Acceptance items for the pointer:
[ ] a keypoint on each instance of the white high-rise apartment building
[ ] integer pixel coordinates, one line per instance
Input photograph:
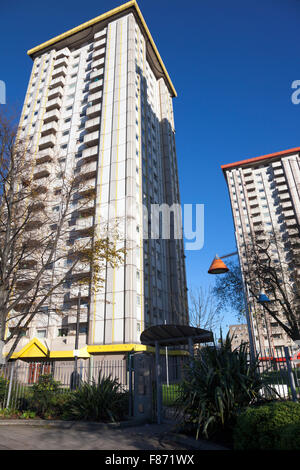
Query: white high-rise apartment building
(265, 200)
(100, 98)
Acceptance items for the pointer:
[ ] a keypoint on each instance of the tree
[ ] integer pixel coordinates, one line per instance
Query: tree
(204, 309)
(49, 242)
(230, 291)
(270, 266)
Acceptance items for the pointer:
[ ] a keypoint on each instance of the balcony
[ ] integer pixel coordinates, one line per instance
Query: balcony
(249, 179)
(293, 232)
(42, 171)
(88, 171)
(46, 142)
(291, 223)
(83, 230)
(49, 128)
(95, 85)
(44, 156)
(65, 52)
(287, 205)
(255, 211)
(96, 73)
(37, 206)
(280, 180)
(100, 43)
(295, 243)
(256, 220)
(98, 53)
(284, 196)
(23, 284)
(247, 171)
(34, 224)
(52, 116)
(91, 139)
(282, 189)
(57, 82)
(93, 111)
(92, 124)
(260, 238)
(278, 172)
(258, 229)
(60, 62)
(85, 212)
(59, 72)
(84, 223)
(87, 192)
(95, 98)
(90, 154)
(289, 214)
(250, 188)
(55, 93)
(97, 64)
(53, 104)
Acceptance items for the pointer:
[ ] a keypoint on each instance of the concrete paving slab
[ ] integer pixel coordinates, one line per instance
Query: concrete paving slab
(94, 436)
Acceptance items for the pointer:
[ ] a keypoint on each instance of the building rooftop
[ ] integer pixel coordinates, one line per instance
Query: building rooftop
(250, 161)
(63, 40)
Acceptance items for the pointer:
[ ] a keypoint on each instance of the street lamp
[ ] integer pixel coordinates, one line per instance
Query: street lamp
(263, 298)
(75, 378)
(218, 266)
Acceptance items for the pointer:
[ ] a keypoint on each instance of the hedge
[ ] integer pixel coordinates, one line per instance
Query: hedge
(273, 426)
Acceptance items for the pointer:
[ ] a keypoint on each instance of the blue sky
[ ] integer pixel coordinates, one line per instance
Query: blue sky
(232, 64)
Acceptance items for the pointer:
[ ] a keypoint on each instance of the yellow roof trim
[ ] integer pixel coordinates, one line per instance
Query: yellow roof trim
(36, 349)
(87, 24)
(32, 349)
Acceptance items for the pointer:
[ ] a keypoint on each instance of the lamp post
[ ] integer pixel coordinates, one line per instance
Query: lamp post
(75, 381)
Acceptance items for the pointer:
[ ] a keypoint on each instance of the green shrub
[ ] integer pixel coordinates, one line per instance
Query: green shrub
(9, 413)
(3, 388)
(290, 437)
(28, 415)
(103, 401)
(44, 393)
(217, 385)
(268, 427)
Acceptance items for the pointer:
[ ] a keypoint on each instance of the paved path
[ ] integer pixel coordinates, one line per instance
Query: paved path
(76, 436)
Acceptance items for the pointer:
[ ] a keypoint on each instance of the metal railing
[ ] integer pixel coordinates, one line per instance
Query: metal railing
(17, 378)
(279, 371)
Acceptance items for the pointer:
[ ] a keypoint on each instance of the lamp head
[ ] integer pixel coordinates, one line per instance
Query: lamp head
(263, 298)
(218, 266)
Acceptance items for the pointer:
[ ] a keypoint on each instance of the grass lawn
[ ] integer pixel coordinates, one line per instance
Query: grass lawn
(170, 394)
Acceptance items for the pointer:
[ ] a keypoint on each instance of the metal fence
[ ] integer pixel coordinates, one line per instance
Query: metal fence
(279, 371)
(17, 378)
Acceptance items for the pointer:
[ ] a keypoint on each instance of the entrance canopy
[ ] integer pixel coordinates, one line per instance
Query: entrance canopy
(172, 335)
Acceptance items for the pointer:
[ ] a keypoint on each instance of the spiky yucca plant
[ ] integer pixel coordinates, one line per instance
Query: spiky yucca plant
(218, 383)
(104, 400)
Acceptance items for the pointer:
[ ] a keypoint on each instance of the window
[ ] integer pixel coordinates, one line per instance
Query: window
(41, 333)
(83, 328)
(63, 332)
(18, 330)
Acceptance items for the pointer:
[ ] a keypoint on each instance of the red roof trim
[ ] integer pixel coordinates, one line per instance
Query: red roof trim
(257, 159)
